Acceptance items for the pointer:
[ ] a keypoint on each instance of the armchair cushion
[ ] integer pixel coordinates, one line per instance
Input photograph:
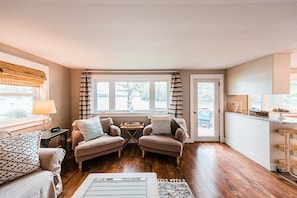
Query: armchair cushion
(104, 143)
(90, 128)
(19, 156)
(162, 142)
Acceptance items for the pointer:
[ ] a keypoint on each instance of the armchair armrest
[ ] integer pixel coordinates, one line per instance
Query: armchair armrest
(51, 159)
(76, 137)
(147, 130)
(180, 135)
(115, 130)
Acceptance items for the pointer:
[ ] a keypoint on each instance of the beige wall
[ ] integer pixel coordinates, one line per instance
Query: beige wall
(65, 84)
(60, 92)
(75, 86)
(59, 85)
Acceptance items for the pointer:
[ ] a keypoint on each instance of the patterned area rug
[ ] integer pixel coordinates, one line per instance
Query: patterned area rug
(174, 188)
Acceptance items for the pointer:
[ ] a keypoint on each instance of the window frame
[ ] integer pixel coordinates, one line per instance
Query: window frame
(31, 121)
(112, 78)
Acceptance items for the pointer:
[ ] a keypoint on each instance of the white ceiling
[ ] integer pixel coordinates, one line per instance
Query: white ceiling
(150, 34)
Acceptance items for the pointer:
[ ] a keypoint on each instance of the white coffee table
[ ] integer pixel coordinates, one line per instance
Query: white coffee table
(115, 185)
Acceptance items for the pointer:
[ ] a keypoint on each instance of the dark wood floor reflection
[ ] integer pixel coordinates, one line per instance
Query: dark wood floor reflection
(211, 170)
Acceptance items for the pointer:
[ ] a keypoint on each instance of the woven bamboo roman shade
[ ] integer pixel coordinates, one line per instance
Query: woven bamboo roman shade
(12, 74)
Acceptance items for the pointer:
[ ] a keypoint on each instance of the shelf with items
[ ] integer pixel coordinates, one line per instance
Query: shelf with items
(282, 165)
(289, 147)
(284, 147)
(282, 132)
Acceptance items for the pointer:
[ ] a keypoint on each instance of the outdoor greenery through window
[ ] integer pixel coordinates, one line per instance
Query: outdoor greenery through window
(16, 102)
(130, 93)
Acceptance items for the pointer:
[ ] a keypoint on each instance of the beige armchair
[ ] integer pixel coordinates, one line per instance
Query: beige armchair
(167, 144)
(108, 143)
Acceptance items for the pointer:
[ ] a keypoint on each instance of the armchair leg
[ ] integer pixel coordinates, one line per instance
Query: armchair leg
(79, 166)
(142, 153)
(177, 161)
(119, 153)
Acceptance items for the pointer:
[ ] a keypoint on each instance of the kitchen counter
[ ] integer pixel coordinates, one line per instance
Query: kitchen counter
(257, 137)
(284, 120)
(265, 118)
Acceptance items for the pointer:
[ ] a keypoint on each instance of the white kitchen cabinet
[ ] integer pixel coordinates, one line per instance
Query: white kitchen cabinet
(250, 136)
(266, 75)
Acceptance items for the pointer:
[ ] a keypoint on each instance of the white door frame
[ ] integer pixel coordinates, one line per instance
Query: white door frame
(194, 77)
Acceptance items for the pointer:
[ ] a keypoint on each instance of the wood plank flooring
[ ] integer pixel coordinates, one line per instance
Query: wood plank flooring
(211, 170)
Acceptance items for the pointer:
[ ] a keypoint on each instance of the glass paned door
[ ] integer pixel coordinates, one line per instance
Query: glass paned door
(207, 110)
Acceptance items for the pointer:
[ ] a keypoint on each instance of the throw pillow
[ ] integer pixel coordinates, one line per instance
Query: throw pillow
(90, 128)
(161, 124)
(19, 156)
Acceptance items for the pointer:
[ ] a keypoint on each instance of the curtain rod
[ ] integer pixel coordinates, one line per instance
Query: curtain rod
(130, 71)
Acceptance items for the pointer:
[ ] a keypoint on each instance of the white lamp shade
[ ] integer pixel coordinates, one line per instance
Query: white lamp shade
(44, 107)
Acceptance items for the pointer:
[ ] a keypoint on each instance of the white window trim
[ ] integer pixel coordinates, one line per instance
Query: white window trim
(125, 77)
(33, 121)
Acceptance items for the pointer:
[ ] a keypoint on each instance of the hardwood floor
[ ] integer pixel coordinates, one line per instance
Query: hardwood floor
(211, 170)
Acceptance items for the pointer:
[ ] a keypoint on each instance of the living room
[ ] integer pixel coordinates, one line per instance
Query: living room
(154, 38)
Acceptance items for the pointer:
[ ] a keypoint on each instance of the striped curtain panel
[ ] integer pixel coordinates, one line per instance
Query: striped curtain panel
(176, 98)
(85, 96)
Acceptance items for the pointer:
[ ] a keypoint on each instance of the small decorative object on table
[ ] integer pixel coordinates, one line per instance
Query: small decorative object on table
(46, 136)
(55, 129)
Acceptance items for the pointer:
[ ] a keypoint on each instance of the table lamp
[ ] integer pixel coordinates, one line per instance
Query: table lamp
(44, 107)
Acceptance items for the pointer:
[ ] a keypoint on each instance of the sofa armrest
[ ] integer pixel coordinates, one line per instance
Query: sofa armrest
(147, 130)
(180, 135)
(115, 130)
(51, 159)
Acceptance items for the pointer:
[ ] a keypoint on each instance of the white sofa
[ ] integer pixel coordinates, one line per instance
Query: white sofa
(44, 182)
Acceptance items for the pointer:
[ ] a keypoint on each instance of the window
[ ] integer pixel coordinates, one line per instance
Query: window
(16, 102)
(21, 82)
(132, 96)
(130, 93)
(256, 101)
(283, 101)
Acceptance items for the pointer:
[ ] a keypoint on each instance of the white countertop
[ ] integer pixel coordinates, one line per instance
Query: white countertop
(284, 120)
